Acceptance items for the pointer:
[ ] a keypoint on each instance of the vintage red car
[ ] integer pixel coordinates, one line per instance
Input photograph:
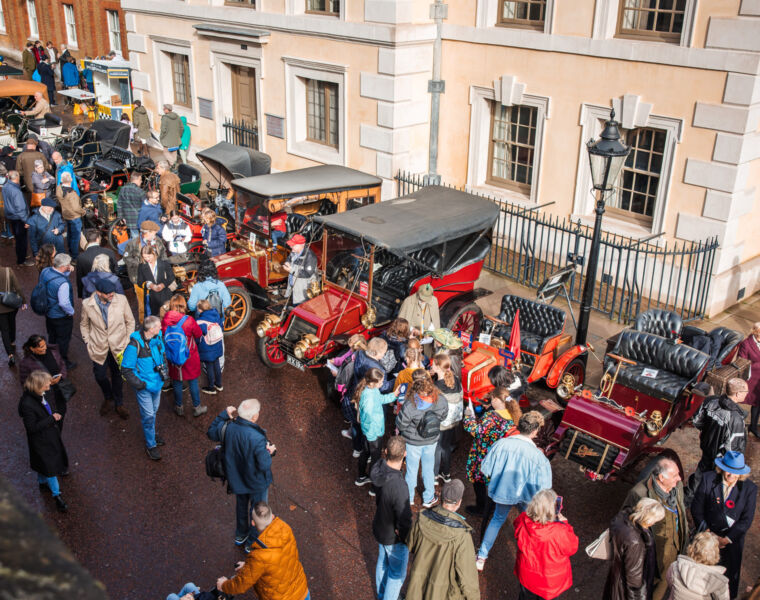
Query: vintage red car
(653, 383)
(252, 269)
(379, 255)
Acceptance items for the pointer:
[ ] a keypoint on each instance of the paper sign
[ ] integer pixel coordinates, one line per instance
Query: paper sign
(485, 338)
(363, 288)
(650, 373)
(426, 340)
(466, 338)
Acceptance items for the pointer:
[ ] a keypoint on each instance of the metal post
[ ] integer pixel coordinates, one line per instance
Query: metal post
(436, 87)
(588, 286)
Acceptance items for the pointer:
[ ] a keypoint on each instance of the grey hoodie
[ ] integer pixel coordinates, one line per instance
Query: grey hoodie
(690, 580)
(410, 416)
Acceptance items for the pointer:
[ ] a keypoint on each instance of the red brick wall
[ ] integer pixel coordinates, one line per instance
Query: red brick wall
(91, 23)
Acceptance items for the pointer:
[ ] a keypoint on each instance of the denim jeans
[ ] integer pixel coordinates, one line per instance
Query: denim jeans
(492, 531)
(214, 373)
(51, 482)
(189, 588)
(243, 507)
(74, 232)
(148, 404)
(20, 233)
(111, 388)
(426, 456)
(194, 392)
(391, 570)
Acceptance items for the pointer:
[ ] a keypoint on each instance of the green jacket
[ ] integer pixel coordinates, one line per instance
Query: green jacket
(671, 535)
(141, 122)
(28, 62)
(444, 558)
(171, 130)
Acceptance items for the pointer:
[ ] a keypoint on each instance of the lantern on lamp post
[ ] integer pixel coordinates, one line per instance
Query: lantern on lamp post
(606, 157)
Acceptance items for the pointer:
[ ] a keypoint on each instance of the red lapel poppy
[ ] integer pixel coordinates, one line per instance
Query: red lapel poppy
(730, 503)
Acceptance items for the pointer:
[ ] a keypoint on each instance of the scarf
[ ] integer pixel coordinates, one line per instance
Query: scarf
(670, 499)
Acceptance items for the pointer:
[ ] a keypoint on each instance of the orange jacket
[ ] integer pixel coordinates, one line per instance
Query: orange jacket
(272, 568)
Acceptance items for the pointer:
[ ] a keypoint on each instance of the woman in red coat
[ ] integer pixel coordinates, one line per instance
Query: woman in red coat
(750, 349)
(545, 543)
(191, 369)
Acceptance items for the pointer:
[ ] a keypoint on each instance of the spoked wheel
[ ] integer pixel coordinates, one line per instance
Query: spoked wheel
(573, 376)
(197, 250)
(238, 314)
(466, 320)
(117, 234)
(270, 352)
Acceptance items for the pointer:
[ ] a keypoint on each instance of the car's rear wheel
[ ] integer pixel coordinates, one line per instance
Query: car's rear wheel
(466, 319)
(575, 369)
(239, 312)
(270, 352)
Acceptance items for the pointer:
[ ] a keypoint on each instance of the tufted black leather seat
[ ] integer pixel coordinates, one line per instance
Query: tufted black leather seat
(726, 340)
(49, 121)
(665, 323)
(294, 223)
(677, 365)
(539, 322)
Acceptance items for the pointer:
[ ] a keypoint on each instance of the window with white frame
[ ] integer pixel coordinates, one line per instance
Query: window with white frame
(180, 64)
(504, 156)
(2, 17)
(114, 30)
(640, 195)
(315, 110)
(647, 20)
(31, 9)
(521, 14)
(71, 24)
(323, 7)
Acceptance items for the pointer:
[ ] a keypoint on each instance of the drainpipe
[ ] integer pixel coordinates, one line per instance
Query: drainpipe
(438, 12)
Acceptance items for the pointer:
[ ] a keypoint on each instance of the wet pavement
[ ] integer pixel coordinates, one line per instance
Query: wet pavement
(145, 528)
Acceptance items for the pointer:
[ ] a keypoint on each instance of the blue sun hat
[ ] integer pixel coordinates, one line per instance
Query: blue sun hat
(733, 462)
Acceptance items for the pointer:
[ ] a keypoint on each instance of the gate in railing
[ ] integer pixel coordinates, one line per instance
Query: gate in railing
(241, 132)
(633, 274)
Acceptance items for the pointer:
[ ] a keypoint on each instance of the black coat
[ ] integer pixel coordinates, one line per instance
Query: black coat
(634, 563)
(165, 275)
(393, 517)
(47, 455)
(47, 78)
(84, 263)
(709, 507)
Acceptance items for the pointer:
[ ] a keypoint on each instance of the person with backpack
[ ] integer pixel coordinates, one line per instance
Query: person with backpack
(369, 402)
(450, 386)
(211, 345)
(208, 287)
(181, 336)
(53, 296)
(156, 280)
(419, 423)
(144, 367)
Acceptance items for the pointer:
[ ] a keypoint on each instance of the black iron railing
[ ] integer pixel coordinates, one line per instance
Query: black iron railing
(633, 274)
(241, 132)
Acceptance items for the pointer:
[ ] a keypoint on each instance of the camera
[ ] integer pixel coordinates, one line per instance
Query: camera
(162, 370)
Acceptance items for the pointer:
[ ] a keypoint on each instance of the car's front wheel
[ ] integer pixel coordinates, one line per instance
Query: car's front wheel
(270, 352)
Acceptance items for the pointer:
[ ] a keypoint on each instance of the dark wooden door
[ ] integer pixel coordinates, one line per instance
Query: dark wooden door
(244, 94)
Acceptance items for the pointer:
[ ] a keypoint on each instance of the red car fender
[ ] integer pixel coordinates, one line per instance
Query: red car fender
(554, 375)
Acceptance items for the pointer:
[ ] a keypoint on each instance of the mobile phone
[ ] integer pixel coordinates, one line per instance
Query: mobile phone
(402, 391)
(560, 500)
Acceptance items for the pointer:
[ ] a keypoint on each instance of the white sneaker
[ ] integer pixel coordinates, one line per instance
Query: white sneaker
(356, 454)
(346, 433)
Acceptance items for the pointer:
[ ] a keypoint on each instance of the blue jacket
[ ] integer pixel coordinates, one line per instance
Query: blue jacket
(216, 238)
(202, 289)
(517, 470)
(41, 231)
(371, 414)
(247, 461)
(149, 212)
(89, 281)
(53, 281)
(15, 205)
(67, 168)
(69, 74)
(206, 352)
(362, 363)
(140, 360)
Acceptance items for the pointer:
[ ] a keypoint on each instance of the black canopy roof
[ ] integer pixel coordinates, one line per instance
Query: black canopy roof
(301, 182)
(111, 133)
(9, 71)
(430, 216)
(229, 161)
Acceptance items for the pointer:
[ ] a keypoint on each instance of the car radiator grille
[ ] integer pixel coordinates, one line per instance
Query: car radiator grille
(588, 451)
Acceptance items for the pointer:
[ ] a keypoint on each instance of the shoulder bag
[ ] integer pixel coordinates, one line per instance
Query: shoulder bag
(10, 298)
(601, 547)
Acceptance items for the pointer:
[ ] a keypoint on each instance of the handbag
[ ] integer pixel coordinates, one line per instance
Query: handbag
(10, 298)
(601, 547)
(67, 389)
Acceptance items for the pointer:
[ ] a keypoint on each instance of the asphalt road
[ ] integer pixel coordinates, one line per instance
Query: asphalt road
(146, 528)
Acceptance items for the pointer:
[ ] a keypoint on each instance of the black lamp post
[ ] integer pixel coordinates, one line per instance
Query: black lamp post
(607, 156)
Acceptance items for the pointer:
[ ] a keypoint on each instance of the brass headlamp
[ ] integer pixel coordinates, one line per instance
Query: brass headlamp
(304, 344)
(368, 318)
(314, 289)
(266, 324)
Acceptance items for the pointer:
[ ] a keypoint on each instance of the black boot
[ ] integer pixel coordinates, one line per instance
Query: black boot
(60, 504)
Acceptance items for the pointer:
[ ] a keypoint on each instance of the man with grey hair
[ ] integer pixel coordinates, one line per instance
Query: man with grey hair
(72, 212)
(171, 133)
(144, 367)
(247, 462)
(59, 316)
(672, 533)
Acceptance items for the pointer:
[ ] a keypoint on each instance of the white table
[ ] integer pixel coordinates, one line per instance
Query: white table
(77, 94)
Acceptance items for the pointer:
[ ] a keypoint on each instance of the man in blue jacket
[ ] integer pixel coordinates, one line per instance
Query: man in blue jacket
(61, 166)
(59, 318)
(143, 365)
(150, 210)
(46, 227)
(517, 470)
(16, 214)
(247, 462)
